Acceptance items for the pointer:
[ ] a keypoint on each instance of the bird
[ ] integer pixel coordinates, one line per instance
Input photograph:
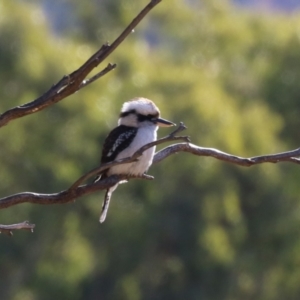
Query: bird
(137, 126)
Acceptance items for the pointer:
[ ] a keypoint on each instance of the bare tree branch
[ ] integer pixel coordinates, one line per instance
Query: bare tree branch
(200, 151)
(7, 229)
(65, 196)
(289, 156)
(71, 83)
(76, 191)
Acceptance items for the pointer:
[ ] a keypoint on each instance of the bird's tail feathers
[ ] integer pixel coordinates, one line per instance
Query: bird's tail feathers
(106, 202)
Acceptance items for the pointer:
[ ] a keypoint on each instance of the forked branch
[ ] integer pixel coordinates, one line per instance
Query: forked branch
(76, 80)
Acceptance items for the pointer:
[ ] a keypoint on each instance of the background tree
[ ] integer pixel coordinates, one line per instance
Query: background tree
(203, 229)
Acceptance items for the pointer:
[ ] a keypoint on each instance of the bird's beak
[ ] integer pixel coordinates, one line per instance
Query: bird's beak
(164, 123)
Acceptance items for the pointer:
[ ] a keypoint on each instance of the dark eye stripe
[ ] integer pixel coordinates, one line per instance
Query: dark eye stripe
(142, 118)
(126, 113)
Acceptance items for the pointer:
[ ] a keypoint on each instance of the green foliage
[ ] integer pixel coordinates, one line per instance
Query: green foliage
(203, 229)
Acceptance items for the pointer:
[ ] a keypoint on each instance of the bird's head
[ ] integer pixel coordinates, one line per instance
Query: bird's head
(141, 112)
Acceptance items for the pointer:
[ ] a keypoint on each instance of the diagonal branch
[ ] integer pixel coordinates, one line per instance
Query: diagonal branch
(71, 83)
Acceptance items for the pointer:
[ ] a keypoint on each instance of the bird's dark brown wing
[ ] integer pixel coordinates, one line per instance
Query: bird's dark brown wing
(117, 140)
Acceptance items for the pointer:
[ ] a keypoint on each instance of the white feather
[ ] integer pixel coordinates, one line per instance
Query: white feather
(143, 105)
(144, 136)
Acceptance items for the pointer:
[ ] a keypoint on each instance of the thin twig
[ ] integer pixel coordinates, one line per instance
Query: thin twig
(97, 76)
(8, 229)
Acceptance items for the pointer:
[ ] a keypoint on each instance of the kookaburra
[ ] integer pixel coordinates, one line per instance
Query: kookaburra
(137, 126)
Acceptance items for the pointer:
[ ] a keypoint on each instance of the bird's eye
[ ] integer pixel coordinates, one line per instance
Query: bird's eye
(142, 118)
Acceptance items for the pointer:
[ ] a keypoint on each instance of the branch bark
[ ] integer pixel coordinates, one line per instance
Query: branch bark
(76, 190)
(75, 81)
(8, 229)
(289, 156)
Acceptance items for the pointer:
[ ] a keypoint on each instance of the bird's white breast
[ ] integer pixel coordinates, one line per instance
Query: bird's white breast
(144, 136)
